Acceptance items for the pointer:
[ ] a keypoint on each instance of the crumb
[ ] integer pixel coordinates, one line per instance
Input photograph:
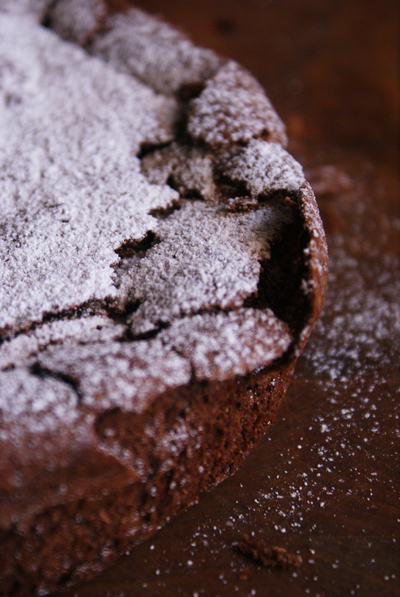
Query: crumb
(272, 557)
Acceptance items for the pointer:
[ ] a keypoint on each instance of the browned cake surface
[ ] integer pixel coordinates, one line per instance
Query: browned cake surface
(163, 264)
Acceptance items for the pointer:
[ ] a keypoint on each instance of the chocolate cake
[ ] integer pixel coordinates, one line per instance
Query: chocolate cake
(162, 265)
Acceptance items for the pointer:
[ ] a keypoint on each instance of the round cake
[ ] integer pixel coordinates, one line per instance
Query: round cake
(162, 265)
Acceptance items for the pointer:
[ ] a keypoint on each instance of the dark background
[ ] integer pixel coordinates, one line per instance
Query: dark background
(325, 480)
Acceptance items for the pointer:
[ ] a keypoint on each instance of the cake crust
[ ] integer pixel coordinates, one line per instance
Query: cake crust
(163, 265)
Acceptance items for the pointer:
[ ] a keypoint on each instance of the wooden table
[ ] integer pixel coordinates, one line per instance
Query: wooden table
(325, 480)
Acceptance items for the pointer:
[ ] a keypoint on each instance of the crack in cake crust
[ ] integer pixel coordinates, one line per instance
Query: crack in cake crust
(241, 283)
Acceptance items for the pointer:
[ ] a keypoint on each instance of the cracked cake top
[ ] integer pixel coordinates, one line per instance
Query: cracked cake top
(136, 225)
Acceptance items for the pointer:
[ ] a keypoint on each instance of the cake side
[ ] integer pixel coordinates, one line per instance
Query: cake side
(194, 438)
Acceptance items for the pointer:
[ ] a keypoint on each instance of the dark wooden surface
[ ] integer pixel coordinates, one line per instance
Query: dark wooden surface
(325, 480)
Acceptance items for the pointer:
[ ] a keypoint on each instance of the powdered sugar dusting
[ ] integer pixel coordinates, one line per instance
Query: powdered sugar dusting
(316, 252)
(190, 168)
(216, 345)
(33, 402)
(250, 340)
(264, 168)
(74, 182)
(76, 20)
(154, 52)
(206, 258)
(140, 371)
(35, 8)
(18, 351)
(233, 108)
(364, 320)
(75, 194)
